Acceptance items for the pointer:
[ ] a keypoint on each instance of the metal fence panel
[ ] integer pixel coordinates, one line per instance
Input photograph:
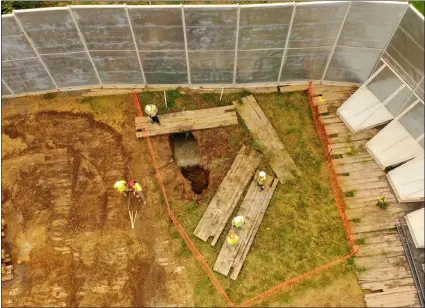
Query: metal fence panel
(52, 31)
(258, 65)
(317, 24)
(211, 66)
(166, 67)
(4, 89)
(370, 24)
(412, 24)
(384, 84)
(211, 28)
(26, 75)
(408, 54)
(104, 28)
(400, 102)
(117, 67)
(302, 64)
(405, 51)
(263, 27)
(413, 121)
(14, 44)
(352, 64)
(69, 70)
(157, 28)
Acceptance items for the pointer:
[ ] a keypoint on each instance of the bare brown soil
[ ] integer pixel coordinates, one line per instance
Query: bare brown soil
(68, 226)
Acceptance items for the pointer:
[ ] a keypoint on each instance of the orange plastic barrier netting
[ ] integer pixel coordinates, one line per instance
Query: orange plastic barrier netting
(201, 260)
(336, 188)
(198, 256)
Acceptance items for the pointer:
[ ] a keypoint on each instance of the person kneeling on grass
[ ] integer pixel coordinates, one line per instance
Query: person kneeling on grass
(136, 189)
(152, 111)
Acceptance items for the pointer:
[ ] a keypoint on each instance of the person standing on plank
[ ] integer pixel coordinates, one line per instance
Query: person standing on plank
(232, 239)
(121, 187)
(238, 222)
(261, 179)
(152, 111)
(136, 188)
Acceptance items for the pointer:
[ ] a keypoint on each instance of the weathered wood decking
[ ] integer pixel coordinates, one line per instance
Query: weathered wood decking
(252, 209)
(267, 138)
(228, 195)
(385, 273)
(186, 121)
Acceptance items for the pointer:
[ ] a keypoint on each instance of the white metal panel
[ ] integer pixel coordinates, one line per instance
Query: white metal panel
(357, 110)
(407, 181)
(393, 145)
(415, 222)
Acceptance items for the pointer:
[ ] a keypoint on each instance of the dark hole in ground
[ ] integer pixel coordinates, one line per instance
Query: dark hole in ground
(198, 177)
(185, 153)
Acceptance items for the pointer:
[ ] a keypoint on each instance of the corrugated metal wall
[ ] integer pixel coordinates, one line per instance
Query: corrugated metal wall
(225, 45)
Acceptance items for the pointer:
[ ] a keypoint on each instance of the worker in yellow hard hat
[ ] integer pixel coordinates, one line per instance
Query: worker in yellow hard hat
(261, 179)
(136, 188)
(232, 239)
(152, 111)
(238, 222)
(121, 187)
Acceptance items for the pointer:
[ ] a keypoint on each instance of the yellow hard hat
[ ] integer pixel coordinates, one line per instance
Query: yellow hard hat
(148, 107)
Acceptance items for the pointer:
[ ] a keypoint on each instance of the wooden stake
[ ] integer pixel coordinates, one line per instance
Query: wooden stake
(165, 99)
(221, 95)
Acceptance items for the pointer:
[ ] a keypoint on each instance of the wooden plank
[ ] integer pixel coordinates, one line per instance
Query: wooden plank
(388, 284)
(293, 88)
(383, 274)
(190, 114)
(267, 138)
(252, 209)
(380, 261)
(187, 121)
(228, 194)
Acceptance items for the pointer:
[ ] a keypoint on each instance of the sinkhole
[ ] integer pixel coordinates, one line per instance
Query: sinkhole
(185, 153)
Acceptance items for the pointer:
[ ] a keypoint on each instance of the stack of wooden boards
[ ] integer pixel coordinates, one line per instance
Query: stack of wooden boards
(228, 195)
(253, 208)
(231, 189)
(184, 121)
(265, 135)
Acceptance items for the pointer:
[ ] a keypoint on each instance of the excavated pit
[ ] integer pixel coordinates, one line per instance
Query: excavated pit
(185, 153)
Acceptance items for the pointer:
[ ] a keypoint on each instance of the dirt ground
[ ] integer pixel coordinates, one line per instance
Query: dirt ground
(61, 155)
(65, 222)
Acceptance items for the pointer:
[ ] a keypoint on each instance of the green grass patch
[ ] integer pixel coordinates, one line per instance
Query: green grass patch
(419, 5)
(361, 241)
(350, 193)
(301, 229)
(356, 220)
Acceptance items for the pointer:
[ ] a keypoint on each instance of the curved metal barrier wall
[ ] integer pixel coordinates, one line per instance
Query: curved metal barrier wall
(195, 45)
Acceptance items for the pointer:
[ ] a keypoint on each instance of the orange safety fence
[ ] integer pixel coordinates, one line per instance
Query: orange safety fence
(198, 256)
(335, 189)
(296, 279)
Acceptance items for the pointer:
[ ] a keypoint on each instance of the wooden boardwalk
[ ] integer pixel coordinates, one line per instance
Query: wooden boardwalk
(228, 195)
(184, 121)
(252, 209)
(385, 275)
(267, 138)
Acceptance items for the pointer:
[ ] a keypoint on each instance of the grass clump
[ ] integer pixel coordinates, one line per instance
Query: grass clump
(350, 193)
